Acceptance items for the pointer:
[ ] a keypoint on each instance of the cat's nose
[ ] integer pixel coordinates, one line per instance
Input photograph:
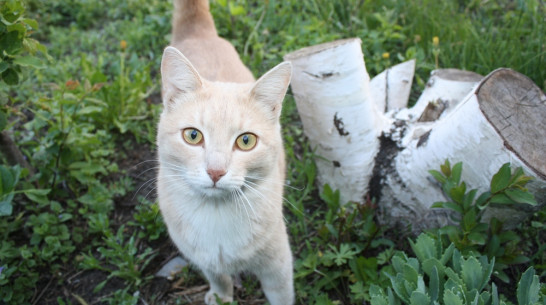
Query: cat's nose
(215, 174)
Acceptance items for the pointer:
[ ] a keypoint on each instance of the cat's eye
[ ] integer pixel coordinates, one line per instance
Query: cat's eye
(192, 136)
(246, 141)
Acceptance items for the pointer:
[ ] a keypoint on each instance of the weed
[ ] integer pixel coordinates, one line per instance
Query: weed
(471, 234)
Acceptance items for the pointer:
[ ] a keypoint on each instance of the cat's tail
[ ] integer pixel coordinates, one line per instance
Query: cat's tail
(192, 19)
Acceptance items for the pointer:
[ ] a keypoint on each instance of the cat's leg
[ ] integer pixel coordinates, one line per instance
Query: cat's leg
(221, 285)
(277, 280)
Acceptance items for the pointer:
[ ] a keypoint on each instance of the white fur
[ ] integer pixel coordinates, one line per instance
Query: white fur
(235, 224)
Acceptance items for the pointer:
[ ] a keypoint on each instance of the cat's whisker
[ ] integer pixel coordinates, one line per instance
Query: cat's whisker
(148, 182)
(284, 198)
(238, 212)
(173, 184)
(142, 162)
(254, 190)
(271, 181)
(250, 205)
(239, 193)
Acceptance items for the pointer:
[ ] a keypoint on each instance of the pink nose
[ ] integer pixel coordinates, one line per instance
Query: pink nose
(216, 174)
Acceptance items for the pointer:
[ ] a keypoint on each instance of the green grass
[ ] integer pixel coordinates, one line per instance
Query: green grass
(76, 229)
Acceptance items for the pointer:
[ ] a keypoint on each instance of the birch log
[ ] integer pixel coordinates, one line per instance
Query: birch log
(331, 88)
(501, 120)
(391, 88)
(483, 122)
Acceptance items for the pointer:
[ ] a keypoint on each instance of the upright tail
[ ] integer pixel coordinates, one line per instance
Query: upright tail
(192, 18)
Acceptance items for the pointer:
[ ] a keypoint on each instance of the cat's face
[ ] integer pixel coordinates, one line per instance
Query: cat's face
(217, 138)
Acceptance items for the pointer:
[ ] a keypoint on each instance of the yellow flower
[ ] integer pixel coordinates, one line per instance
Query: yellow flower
(435, 41)
(386, 55)
(123, 45)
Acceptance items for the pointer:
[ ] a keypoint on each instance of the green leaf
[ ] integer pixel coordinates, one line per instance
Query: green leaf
(456, 172)
(469, 220)
(377, 296)
(37, 195)
(446, 168)
(29, 61)
(364, 269)
(520, 196)
(448, 205)
(481, 202)
(424, 247)
(472, 273)
(528, 288)
(501, 179)
(487, 272)
(10, 77)
(31, 22)
(10, 43)
(452, 299)
(453, 232)
(448, 253)
(397, 283)
(7, 180)
(493, 245)
(477, 238)
(502, 199)
(13, 10)
(236, 10)
(469, 198)
(3, 121)
(438, 176)
(494, 295)
(457, 193)
(410, 274)
(434, 284)
(90, 109)
(3, 66)
(419, 298)
(6, 208)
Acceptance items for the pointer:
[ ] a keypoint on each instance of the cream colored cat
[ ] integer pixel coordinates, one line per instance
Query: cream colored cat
(221, 158)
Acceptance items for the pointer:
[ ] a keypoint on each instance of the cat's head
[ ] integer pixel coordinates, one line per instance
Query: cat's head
(213, 136)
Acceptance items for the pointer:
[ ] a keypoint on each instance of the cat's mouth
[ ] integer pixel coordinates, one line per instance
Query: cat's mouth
(216, 191)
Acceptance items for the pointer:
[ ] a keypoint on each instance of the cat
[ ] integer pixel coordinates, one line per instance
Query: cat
(221, 158)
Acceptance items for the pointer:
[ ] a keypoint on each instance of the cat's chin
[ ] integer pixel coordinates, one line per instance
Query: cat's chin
(216, 192)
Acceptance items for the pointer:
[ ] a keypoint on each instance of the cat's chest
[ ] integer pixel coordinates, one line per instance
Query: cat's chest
(215, 235)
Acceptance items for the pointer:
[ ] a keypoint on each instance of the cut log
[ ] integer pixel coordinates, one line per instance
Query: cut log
(501, 121)
(391, 88)
(444, 89)
(331, 89)
(461, 116)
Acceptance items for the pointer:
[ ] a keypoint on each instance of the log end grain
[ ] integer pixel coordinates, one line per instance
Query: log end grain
(516, 108)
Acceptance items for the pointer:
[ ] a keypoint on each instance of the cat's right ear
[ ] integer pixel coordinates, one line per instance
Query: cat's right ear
(178, 76)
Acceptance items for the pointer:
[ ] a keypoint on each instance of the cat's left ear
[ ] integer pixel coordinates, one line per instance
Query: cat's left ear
(270, 89)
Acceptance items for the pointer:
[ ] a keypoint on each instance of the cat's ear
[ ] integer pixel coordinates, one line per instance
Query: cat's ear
(178, 76)
(270, 89)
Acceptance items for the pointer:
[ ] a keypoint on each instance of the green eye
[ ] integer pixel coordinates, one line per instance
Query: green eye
(246, 141)
(192, 136)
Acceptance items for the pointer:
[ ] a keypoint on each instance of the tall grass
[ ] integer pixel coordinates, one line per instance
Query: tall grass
(474, 35)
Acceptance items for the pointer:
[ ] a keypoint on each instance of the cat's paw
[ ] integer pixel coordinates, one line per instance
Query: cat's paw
(210, 298)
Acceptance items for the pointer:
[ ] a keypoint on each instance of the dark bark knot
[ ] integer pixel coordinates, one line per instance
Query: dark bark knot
(340, 126)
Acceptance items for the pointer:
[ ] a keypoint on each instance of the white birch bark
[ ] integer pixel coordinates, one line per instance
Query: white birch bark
(361, 148)
(391, 88)
(501, 121)
(331, 89)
